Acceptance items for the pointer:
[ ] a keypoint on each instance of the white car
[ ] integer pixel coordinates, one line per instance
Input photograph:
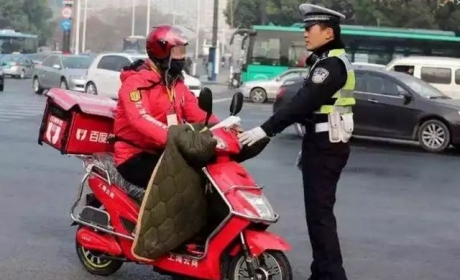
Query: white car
(259, 91)
(104, 74)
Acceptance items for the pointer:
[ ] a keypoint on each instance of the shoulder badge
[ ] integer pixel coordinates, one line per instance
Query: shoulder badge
(319, 75)
(135, 96)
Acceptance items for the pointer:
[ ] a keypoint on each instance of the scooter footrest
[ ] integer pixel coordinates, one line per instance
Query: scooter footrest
(95, 216)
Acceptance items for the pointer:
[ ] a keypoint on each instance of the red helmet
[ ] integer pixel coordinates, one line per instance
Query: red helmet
(166, 41)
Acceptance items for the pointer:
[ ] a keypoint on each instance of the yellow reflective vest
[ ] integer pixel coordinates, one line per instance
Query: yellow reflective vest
(343, 99)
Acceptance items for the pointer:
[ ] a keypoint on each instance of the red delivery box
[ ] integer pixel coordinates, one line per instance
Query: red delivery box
(77, 123)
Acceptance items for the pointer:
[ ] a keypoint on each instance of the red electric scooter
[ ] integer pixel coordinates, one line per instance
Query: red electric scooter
(238, 246)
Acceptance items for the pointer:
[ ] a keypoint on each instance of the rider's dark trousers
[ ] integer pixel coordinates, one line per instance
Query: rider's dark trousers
(139, 168)
(322, 164)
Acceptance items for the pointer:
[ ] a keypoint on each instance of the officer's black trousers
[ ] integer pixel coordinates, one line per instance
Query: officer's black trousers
(322, 164)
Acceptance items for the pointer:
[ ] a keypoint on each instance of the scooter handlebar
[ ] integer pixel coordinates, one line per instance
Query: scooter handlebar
(228, 123)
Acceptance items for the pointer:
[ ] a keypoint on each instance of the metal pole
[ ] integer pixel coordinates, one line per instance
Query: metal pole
(215, 21)
(147, 28)
(213, 52)
(231, 14)
(133, 18)
(263, 12)
(77, 29)
(85, 19)
(198, 2)
(66, 36)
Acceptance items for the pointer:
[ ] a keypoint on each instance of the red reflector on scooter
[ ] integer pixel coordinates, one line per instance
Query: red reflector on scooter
(98, 242)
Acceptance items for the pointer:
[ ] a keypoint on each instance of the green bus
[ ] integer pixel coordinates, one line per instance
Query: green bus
(270, 50)
(16, 42)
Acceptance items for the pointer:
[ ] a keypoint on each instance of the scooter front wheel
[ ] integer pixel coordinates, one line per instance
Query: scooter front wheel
(95, 263)
(273, 265)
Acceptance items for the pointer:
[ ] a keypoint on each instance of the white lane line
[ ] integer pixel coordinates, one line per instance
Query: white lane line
(221, 100)
(20, 111)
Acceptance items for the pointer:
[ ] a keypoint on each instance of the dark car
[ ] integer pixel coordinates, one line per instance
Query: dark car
(285, 93)
(396, 105)
(2, 78)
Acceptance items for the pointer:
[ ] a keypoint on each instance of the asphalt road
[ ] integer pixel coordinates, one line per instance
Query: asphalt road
(397, 208)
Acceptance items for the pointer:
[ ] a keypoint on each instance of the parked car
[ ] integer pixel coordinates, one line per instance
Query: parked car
(63, 71)
(104, 74)
(17, 66)
(396, 105)
(286, 92)
(261, 91)
(2, 78)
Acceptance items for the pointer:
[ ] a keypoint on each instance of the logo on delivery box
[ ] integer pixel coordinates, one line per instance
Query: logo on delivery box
(53, 130)
(81, 134)
(94, 136)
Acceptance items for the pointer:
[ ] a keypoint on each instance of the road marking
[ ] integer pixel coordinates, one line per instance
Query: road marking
(18, 107)
(221, 100)
(264, 113)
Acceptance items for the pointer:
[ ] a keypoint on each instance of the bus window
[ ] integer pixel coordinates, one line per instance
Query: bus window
(267, 51)
(21, 43)
(297, 54)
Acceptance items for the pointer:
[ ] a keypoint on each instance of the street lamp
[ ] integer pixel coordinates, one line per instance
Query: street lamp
(133, 19)
(77, 30)
(197, 27)
(147, 28)
(85, 17)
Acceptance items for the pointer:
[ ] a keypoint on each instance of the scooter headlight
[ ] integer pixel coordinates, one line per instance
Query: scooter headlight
(261, 204)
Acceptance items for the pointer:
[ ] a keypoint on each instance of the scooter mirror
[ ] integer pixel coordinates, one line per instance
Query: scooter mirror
(205, 102)
(237, 103)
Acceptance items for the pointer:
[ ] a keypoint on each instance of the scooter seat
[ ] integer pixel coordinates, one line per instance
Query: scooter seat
(106, 160)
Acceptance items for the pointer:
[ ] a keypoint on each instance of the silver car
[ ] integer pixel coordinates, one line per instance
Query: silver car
(63, 71)
(262, 91)
(17, 66)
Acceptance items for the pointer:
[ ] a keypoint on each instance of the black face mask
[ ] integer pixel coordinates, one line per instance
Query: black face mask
(176, 66)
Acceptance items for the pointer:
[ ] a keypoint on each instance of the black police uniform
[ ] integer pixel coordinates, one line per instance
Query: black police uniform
(322, 161)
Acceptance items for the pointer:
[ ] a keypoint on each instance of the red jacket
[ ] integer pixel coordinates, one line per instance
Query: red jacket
(141, 115)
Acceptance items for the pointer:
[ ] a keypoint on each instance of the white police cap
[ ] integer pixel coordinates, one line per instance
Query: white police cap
(313, 14)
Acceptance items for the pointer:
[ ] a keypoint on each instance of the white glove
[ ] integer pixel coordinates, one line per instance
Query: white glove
(252, 136)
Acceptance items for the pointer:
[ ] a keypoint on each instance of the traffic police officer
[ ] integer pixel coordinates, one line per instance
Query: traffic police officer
(323, 105)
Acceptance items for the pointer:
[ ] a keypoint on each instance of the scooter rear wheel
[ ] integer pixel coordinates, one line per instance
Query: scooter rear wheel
(94, 263)
(238, 270)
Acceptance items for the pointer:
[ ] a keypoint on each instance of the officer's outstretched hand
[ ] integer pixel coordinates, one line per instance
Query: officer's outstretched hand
(252, 136)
